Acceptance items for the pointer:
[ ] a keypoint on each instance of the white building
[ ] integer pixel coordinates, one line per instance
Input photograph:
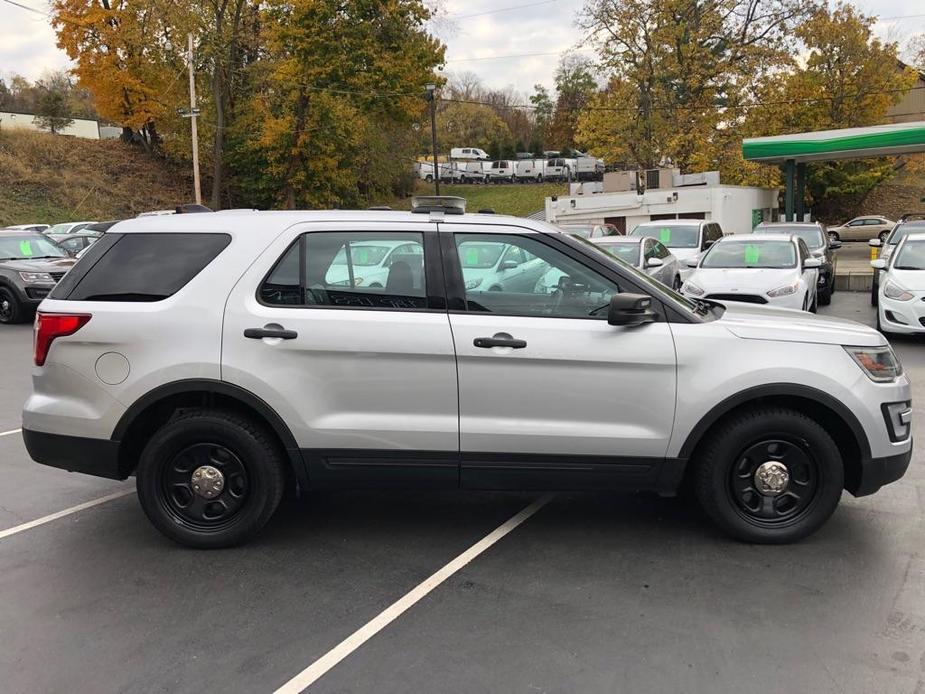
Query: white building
(736, 208)
(80, 127)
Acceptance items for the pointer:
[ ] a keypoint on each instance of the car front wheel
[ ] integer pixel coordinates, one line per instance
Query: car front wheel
(769, 475)
(210, 478)
(11, 310)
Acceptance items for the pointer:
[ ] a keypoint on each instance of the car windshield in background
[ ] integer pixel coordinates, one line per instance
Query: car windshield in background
(911, 257)
(362, 256)
(811, 235)
(23, 247)
(479, 256)
(902, 230)
(582, 230)
(671, 235)
(627, 252)
(751, 254)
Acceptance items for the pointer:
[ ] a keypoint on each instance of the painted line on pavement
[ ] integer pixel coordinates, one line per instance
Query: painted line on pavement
(66, 512)
(320, 667)
(11, 431)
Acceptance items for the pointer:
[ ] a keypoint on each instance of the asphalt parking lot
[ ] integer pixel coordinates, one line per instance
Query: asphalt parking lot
(592, 593)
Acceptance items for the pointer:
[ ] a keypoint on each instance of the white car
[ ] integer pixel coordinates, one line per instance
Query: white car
(685, 238)
(372, 264)
(68, 227)
(774, 269)
(645, 253)
(888, 245)
(495, 266)
(901, 300)
(222, 368)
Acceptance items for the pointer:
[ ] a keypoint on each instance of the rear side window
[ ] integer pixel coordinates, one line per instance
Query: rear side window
(139, 267)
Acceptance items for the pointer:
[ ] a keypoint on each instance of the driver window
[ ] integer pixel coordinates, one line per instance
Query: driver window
(548, 282)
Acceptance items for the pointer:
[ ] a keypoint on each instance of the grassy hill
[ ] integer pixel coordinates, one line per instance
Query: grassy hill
(515, 199)
(55, 178)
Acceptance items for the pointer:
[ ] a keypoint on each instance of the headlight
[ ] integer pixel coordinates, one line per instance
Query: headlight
(472, 284)
(879, 363)
(891, 290)
(691, 288)
(36, 277)
(785, 291)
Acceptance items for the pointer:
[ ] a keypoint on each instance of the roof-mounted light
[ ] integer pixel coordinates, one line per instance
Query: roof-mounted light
(448, 204)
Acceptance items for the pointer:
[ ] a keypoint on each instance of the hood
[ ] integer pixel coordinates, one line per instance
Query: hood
(913, 280)
(756, 322)
(38, 265)
(741, 280)
(683, 254)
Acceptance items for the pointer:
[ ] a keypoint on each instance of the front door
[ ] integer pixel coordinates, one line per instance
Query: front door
(343, 331)
(549, 393)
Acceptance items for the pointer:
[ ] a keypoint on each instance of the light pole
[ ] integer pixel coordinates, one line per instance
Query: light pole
(430, 95)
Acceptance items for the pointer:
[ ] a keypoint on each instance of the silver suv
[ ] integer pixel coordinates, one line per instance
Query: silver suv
(223, 358)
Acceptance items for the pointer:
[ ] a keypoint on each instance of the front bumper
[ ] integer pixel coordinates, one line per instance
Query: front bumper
(876, 472)
(902, 316)
(98, 457)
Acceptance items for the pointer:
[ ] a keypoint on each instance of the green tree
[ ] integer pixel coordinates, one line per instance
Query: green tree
(575, 85)
(52, 111)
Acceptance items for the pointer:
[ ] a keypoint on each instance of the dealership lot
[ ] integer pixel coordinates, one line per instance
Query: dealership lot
(593, 593)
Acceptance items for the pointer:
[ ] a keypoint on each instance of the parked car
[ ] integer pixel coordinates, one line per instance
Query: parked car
(469, 153)
(74, 243)
(774, 269)
(373, 264)
(888, 245)
(493, 266)
(590, 231)
(862, 229)
(647, 254)
(30, 265)
(901, 302)
(26, 227)
(219, 377)
(67, 227)
(685, 238)
(820, 246)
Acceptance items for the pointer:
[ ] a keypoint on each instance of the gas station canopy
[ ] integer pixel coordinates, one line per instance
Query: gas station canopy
(847, 143)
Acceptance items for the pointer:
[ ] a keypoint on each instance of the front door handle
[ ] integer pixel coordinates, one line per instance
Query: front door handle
(260, 333)
(499, 340)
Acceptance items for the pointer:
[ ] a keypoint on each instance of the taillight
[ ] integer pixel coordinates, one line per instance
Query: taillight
(49, 326)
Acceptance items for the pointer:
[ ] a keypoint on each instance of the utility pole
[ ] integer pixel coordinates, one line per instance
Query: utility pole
(431, 96)
(192, 115)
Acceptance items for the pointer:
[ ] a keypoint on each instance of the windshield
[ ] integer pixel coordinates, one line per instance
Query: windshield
(59, 228)
(361, 255)
(812, 235)
(479, 256)
(902, 230)
(671, 235)
(627, 252)
(23, 247)
(751, 254)
(911, 257)
(582, 230)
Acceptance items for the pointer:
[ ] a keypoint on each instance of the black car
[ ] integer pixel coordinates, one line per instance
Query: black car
(820, 245)
(30, 266)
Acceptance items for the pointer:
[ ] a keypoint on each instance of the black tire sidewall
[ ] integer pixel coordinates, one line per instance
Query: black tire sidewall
(263, 471)
(721, 453)
(16, 315)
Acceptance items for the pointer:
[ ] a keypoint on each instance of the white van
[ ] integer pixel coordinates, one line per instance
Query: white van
(469, 154)
(501, 171)
(529, 170)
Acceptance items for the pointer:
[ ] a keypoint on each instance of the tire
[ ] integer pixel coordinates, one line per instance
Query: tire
(676, 283)
(883, 235)
(429, 178)
(814, 307)
(11, 309)
(241, 448)
(824, 295)
(875, 293)
(833, 236)
(376, 285)
(539, 179)
(724, 467)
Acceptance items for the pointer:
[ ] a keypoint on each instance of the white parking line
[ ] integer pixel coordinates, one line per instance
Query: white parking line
(316, 670)
(11, 431)
(66, 512)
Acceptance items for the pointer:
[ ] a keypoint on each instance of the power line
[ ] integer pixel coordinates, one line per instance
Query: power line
(26, 7)
(519, 55)
(503, 9)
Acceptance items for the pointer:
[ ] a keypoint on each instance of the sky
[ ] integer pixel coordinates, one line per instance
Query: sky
(477, 33)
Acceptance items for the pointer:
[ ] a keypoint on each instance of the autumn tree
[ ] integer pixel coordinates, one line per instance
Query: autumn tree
(575, 85)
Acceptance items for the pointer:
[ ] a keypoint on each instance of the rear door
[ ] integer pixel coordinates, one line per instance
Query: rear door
(549, 394)
(361, 367)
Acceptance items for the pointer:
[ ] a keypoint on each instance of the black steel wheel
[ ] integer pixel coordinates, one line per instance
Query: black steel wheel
(210, 478)
(11, 310)
(768, 475)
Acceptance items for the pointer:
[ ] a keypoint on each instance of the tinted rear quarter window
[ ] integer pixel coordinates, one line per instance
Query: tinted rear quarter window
(139, 267)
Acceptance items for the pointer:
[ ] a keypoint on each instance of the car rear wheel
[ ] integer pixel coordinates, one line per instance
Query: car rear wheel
(824, 295)
(210, 478)
(769, 476)
(833, 236)
(11, 310)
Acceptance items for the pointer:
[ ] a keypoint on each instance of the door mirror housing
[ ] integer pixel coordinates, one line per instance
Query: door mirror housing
(878, 264)
(630, 310)
(654, 262)
(707, 243)
(811, 263)
(692, 262)
(834, 245)
(874, 243)
(507, 265)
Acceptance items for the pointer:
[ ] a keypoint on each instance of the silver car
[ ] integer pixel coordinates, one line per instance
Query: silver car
(862, 229)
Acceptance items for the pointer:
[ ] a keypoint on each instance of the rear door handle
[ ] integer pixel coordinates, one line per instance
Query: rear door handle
(260, 333)
(488, 342)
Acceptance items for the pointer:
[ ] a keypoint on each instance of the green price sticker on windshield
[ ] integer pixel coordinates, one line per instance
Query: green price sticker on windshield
(25, 247)
(664, 235)
(752, 255)
(472, 256)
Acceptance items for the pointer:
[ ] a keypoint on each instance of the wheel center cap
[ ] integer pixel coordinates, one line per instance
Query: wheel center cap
(207, 481)
(772, 478)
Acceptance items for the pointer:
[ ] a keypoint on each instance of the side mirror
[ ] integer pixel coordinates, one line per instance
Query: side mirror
(630, 310)
(507, 265)
(874, 243)
(878, 264)
(692, 262)
(834, 245)
(654, 262)
(811, 263)
(707, 243)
